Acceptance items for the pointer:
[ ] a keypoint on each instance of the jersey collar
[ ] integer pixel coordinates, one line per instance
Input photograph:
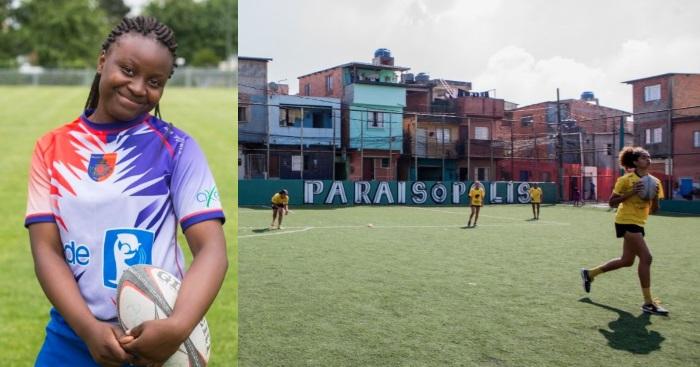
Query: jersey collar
(112, 126)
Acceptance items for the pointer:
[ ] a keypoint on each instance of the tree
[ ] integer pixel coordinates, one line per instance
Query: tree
(10, 44)
(62, 33)
(199, 25)
(115, 10)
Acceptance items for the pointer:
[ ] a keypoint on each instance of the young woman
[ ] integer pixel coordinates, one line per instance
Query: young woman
(476, 199)
(108, 191)
(535, 199)
(631, 216)
(280, 207)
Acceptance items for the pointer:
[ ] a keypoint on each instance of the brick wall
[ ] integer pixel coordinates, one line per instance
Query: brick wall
(317, 83)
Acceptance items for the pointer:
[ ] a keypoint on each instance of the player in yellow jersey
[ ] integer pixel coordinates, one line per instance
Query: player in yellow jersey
(535, 199)
(631, 216)
(280, 207)
(476, 199)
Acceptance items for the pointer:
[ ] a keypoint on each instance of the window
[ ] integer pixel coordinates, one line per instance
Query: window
(307, 89)
(696, 139)
(526, 121)
(652, 92)
(442, 135)
(385, 162)
(242, 114)
(481, 133)
(608, 149)
(290, 116)
(375, 119)
(317, 119)
(657, 135)
(647, 133)
(329, 84)
(482, 173)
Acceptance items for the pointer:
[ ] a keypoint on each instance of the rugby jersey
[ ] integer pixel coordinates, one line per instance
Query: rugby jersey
(477, 196)
(535, 195)
(634, 210)
(117, 193)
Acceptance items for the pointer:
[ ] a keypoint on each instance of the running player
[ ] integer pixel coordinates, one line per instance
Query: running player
(631, 216)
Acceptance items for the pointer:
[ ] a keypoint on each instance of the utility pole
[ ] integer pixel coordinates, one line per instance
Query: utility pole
(362, 144)
(302, 143)
(469, 155)
(561, 151)
(333, 111)
(415, 146)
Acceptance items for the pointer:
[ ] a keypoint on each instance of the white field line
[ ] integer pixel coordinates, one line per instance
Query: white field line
(467, 212)
(304, 229)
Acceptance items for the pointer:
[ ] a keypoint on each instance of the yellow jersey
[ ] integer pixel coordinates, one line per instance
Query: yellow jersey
(476, 196)
(535, 195)
(277, 199)
(634, 210)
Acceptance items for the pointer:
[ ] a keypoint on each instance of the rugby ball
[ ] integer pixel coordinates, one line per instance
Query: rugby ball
(146, 292)
(649, 187)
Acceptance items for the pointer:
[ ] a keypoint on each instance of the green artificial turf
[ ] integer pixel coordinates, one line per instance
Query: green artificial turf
(418, 289)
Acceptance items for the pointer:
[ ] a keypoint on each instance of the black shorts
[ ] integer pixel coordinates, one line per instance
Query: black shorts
(620, 229)
(276, 206)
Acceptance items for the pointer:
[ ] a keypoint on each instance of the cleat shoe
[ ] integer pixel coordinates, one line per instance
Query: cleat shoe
(654, 309)
(586, 280)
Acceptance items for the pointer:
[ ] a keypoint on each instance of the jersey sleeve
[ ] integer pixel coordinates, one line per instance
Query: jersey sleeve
(194, 192)
(39, 190)
(620, 185)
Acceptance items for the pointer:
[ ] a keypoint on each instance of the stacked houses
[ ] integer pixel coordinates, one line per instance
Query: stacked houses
(365, 121)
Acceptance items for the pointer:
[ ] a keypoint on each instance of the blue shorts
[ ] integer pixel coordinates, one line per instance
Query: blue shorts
(62, 346)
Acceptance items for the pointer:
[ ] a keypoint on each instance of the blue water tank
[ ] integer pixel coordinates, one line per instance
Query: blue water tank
(422, 78)
(382, 52)
(587, 96)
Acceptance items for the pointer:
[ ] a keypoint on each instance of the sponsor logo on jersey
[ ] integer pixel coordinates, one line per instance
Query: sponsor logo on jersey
(101, 166)
(208, 197)
(76, 254)
(125, 247)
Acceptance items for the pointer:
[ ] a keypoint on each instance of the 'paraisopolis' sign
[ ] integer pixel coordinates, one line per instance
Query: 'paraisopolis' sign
(414, 192)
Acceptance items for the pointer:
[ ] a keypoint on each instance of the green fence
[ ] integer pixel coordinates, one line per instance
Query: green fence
(326, 192)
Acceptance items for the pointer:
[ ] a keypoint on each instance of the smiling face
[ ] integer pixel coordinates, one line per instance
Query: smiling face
(133, 73)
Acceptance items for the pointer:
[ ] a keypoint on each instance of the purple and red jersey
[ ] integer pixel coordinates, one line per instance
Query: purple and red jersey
(117, 193)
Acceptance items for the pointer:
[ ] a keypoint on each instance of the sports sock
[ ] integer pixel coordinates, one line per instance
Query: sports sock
(595, 271)
(647, 296)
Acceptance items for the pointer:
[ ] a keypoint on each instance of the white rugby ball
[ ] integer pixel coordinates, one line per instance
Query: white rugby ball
(146, 292)
(650, 187)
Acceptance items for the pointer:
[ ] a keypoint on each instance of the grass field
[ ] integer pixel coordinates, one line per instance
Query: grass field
(25, 114)
(418, 289)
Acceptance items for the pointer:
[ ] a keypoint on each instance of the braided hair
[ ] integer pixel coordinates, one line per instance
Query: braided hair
(145, 26)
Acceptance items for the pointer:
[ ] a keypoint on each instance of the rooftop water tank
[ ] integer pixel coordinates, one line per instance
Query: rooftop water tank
(422, 78)
(587, 96)
(382, 52)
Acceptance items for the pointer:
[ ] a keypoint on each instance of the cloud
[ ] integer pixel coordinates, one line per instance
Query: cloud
(519, 77)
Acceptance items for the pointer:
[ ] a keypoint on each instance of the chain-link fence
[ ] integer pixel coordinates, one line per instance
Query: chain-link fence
(182, 77)
(578, 153)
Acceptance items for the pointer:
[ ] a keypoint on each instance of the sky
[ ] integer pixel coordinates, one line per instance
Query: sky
(524, 50)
